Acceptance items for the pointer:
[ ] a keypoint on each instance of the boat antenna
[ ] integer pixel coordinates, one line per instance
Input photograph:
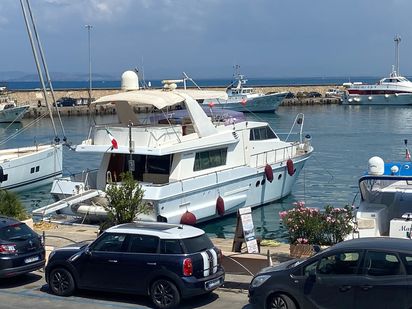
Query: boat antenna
(185, 78)
(39, 71)
(397, 40)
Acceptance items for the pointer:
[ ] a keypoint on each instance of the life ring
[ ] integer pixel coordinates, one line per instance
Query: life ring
(220, 206)
(188, 218)
(269, 172)
(291, 168)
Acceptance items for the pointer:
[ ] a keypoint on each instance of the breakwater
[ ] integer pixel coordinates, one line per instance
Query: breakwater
(36, 100)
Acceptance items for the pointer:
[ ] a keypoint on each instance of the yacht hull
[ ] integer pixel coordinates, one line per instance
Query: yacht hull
(260, 104)
(387, 99)
(239, 187)
(13, 114)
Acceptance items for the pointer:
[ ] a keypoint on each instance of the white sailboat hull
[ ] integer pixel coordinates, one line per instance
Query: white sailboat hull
(30, 167)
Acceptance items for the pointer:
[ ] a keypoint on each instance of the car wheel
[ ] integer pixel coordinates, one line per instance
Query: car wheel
(280, 301)
(61, 282)
(164, 294)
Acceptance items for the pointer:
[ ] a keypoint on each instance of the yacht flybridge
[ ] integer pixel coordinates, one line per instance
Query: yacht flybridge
(196, 168)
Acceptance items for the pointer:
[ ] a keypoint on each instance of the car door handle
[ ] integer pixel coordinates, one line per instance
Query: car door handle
(151, 264)
(112, 261)
(366, 287)
(345, 288)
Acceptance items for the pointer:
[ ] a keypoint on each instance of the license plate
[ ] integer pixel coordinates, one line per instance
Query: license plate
(31, 259)
(213, 283)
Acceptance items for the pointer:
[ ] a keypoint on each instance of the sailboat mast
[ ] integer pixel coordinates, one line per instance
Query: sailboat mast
(46, 70)
(34, 50)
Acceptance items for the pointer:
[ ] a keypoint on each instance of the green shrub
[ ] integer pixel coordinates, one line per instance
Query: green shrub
(125, 201)
(11, 206)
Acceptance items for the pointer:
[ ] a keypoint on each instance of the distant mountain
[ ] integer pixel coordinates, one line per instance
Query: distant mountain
(17, 76)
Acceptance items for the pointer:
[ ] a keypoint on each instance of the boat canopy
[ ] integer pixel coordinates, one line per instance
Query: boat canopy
(160, 98)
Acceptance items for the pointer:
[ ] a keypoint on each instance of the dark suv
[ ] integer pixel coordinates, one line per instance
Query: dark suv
(165, 261)
(21, 249)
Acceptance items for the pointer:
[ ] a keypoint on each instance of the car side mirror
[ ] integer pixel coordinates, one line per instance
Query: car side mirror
(87, 251)
(316, 248)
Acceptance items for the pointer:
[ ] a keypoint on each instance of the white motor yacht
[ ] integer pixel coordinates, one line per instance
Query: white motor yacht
(392, 90)
(9, 111)
(197, 166)
(247, 99)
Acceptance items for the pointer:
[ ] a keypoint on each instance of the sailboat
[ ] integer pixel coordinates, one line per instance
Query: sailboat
(25, 168)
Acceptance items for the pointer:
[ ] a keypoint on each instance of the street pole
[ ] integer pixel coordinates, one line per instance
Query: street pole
(89, 27)
(397, 40)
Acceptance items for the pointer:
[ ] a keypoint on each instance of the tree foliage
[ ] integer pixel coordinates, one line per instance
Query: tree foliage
(11, 206)
(125, 200)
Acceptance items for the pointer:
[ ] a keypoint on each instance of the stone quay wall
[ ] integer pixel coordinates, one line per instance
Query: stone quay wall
(36, 99)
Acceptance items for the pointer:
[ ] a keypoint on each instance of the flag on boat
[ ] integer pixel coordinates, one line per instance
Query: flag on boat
(112, 139)
(407, 153)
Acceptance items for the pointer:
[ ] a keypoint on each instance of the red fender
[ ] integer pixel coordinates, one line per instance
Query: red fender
(220, 206)
(291, 168)
(188, 218)
(269, 173)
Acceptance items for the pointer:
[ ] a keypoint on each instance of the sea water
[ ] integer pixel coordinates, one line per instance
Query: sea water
(344, 138)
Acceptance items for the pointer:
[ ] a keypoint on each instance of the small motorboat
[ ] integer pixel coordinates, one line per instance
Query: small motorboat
(385, 208)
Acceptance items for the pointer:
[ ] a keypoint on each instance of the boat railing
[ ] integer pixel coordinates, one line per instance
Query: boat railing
(276, 155)
(288, 152)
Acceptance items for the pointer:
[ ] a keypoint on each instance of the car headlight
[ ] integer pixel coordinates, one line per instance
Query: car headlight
(51, 254)
(259, 280)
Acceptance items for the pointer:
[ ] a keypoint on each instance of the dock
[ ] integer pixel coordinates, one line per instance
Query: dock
(37, 103)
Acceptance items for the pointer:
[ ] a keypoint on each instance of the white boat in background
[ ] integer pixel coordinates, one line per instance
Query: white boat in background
(246, 99)
(197, 168)
(392, 90)
(9, 111)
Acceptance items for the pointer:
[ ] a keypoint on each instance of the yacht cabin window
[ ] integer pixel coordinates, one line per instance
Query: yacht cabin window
(147, 168)
(210, 158)
(262, 133)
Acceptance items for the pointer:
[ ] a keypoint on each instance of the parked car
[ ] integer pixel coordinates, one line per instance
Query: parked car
(164, 261)
(360, 273)
(314, 94)
(334, 93)
(66, 101)
(290, 95)
(21, 249)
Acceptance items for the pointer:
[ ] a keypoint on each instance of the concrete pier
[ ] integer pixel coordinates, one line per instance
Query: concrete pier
(36, 100)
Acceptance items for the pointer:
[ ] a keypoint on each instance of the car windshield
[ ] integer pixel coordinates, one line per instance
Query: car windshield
(15, 232)
(197, 244)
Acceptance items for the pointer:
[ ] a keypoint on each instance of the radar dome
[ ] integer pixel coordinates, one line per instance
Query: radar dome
(376, 166)
(130, 81)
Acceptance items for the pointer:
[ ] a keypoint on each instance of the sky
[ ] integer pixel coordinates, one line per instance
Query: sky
(206, 38)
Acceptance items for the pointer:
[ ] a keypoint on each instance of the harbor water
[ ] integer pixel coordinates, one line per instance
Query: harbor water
(344, 138)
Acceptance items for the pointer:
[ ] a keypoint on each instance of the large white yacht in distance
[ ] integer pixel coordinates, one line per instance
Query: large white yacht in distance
(392, 90)
(191, 171)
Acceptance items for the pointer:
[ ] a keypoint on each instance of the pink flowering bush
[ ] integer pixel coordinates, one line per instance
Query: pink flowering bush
(307, 225)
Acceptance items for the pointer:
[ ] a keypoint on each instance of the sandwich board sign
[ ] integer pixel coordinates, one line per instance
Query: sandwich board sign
(245, 231)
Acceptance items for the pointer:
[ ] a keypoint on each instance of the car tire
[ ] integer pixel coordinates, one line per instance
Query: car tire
(280, 301)
(164, 294)
(61, 282)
